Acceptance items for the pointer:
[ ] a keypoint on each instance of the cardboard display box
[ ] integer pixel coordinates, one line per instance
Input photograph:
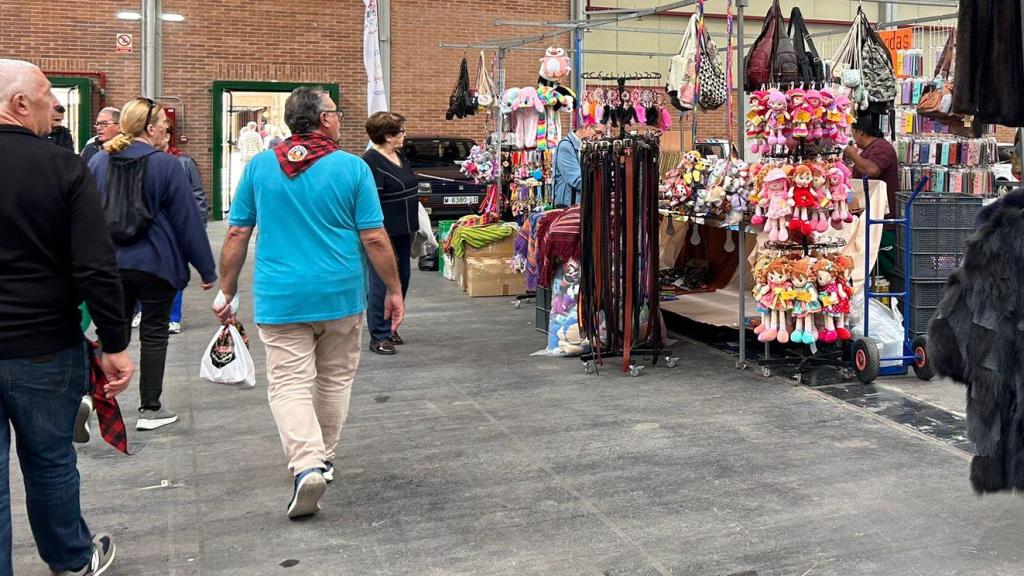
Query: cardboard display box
(503, 249)
(459, 272)
(492, 277)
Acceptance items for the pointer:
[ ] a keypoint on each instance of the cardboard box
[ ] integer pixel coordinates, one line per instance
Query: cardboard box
(459, 272)
(492, 277)
(503, 249)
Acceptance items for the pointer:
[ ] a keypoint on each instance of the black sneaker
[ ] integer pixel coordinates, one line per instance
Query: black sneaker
(329, 471)
(382, 347)
(103, 551)
(396, 339)
(309, 488)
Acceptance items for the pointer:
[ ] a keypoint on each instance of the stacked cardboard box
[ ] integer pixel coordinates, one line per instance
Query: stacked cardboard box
(488, 271)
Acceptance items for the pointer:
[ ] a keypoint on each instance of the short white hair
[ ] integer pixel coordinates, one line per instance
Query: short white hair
(252, 124)
(16, 76)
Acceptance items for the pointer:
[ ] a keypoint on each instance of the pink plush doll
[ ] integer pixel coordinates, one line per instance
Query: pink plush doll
(840, 190)
(758, 102)
(817, 114)
(776, 120)
(776, 192)
(829, 294)
(823, 197)
(799, 113)
(830, 132)
(844, 119)
(528, 108)
(554, 66)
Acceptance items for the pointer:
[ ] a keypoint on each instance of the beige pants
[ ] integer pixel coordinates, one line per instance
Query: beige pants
(310, 368)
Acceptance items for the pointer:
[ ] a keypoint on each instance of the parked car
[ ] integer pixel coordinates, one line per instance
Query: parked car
(444, 190)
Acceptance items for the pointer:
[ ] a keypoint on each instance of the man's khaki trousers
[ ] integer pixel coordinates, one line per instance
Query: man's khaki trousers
(310, 368)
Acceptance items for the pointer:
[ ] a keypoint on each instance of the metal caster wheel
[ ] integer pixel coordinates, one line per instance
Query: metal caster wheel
(766, 371)
(589, 367)
(671, 362)
(634, 370)
(741, 366)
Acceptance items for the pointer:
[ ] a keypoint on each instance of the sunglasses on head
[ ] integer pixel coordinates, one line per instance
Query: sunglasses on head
(149, 113)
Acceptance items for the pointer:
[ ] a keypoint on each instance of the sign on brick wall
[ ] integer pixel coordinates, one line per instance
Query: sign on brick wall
(125, 43)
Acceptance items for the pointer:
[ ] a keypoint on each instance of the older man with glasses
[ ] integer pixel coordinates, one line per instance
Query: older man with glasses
(107, 125)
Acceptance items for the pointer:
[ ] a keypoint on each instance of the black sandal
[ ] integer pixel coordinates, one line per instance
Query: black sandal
(382, 347)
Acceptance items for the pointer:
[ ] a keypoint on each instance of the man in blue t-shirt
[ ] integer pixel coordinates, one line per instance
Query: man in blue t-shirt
(320, 220)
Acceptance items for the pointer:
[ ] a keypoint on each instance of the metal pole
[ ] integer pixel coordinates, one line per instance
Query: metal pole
(742, 151)
(499, 125)
(151, 43)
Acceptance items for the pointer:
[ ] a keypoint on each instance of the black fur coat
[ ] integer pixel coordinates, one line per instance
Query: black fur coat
(989, 62)
(977, 338)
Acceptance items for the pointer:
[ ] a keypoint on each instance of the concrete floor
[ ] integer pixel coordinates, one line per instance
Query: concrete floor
(463, 455)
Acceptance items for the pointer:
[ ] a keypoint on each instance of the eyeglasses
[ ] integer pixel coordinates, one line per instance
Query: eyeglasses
(149, 113)
(103, 124)
(337, 112)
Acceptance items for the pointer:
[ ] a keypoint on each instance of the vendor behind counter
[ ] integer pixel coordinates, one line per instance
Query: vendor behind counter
(873, 156)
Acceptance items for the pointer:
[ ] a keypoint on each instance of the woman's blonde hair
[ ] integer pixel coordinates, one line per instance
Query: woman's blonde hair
(136, 117)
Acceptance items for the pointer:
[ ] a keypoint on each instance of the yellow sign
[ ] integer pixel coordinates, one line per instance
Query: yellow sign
(895, 40)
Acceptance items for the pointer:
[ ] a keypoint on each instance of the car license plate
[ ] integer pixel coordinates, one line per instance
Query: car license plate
(459, 200)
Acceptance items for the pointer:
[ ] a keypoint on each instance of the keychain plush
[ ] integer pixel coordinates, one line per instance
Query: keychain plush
(777, 298)
(805, 301)
(776, 192)
(776, 120)
(802, 200)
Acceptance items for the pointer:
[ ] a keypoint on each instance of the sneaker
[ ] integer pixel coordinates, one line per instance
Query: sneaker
(174, 327)
(153, 419)
(328, 471)
(382, 347)
(137, 319)
(310, 485)
(396, 339)
(103, 551)
(82, 432)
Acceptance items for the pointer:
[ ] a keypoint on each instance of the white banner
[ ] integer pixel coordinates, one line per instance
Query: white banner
(376, 99)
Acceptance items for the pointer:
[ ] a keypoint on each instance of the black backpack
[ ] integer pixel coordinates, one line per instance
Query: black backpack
(812, 71)
(461, 103)
(126, 207)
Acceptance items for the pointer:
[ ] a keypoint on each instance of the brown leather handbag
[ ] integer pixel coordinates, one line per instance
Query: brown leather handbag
(937, 102)
(758, 71)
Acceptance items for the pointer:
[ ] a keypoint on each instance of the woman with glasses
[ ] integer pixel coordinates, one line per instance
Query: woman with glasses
(153, 261)
(398, 188)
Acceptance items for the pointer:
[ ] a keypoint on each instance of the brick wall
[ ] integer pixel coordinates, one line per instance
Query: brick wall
(271, 41)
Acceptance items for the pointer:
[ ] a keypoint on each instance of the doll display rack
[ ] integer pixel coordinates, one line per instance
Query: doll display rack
(821, 355)
(620, 81)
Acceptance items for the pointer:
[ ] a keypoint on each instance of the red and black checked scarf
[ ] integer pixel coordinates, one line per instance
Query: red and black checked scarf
(107, 411)
(300, 151)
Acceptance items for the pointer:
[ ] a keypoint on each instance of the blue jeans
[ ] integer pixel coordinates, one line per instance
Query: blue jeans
(380, 329)
(176, 307)
(40, 396)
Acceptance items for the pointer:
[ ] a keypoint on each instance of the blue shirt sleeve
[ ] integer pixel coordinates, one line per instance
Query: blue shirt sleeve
(188, 227)
(568, 165)
(243, 205)
(368, 211)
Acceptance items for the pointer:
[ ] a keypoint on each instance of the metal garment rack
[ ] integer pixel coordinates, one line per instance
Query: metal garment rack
(620, 81)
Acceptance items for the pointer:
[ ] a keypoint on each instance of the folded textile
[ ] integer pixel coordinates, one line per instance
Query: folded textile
(561, 244)
(480, 236)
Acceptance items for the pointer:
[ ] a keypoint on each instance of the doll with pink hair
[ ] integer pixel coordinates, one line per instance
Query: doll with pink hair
(817, 115)
(776, 192)
(799, 112)
(842, 193)
(776, 120)
(829, 116)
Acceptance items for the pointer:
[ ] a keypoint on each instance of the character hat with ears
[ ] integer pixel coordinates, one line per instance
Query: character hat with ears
(509, 101)
(554, 65)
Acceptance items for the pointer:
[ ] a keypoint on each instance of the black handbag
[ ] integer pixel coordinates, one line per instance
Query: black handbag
(812, 69)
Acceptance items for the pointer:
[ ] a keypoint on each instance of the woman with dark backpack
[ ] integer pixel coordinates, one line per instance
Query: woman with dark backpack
(152, 218)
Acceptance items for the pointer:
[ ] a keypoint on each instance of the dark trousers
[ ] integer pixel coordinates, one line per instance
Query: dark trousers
(39, 397)
(380, 329)
(156, 296)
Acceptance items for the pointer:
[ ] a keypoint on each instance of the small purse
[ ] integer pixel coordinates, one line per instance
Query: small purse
(937, 100)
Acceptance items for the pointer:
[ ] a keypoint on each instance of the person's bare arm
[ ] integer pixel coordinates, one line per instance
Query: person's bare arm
(863, 165)
(382, 257)
(232, 258)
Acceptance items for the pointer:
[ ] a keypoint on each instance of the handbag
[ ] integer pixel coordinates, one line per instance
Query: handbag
(682, 73)
(876, 68)
(713, 90)
(937, 100)
(484, 87)
(757, 68)
(812, 70)
(461, 103)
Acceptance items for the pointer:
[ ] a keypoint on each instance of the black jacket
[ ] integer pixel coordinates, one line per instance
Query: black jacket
(55, 251)
(61, 136)
(989, 62)
(398, 188)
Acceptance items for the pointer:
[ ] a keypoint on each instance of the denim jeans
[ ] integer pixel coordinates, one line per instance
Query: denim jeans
(39, 397)
(380, 329)
(176, 307)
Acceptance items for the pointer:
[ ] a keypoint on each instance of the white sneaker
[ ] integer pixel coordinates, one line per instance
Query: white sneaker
(174, 327)
(153, 419)
(82, 432)
(137, 319)
(310, 486)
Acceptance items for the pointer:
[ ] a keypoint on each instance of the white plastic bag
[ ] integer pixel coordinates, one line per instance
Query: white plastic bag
(886, 329)
(238, 370)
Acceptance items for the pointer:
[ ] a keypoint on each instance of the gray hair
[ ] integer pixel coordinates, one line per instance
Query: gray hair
(115, 113)
(302, 109)
(16, 77)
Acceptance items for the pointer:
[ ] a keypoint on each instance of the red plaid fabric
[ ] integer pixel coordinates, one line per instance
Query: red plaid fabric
(107, 411)
(300, 151)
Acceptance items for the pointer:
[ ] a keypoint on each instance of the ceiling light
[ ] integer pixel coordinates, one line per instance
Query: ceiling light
(172, 17)
(129, 16)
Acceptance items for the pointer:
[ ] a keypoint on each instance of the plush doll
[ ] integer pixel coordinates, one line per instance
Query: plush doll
(776, 297)
(758, 103)
(844, 119)
(481, 165)
(802, 199)
(840, 191)
(509, 101)
(599, 101)
(805, 301)
(776, 120)
(829, 119)
(693, 168)
(823, 199)
(776, 192)
(760, 273)
(799, 113)
(858, 95)
(737, 185)
(554, 65)
(844, 272)
(757, 198)
(817, 131)
(829, 294)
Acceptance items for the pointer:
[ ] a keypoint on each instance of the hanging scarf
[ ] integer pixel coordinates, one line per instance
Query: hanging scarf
(561, 244)
(108, 413)
(299, 152)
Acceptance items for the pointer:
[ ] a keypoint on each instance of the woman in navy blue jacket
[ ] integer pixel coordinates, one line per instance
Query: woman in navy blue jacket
(154, 265)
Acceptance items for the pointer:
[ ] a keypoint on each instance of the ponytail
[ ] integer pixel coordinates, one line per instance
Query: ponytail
(117, 144)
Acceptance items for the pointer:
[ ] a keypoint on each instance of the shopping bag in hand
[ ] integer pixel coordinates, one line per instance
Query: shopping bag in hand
(227, 360)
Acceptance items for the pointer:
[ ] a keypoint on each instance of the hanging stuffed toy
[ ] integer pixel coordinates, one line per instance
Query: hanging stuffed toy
(776, 120)
(858, 95)
(829, 119)
(799, 113)
(840, 191)
(802, 200)
(755, 123)
(776, 193)
(805, 301)
(822, 197)
(777, 297)
(554, 65)
(737, 184)
(828, 290)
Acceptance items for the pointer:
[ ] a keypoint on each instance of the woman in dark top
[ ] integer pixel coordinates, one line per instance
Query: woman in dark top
(399, 199)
